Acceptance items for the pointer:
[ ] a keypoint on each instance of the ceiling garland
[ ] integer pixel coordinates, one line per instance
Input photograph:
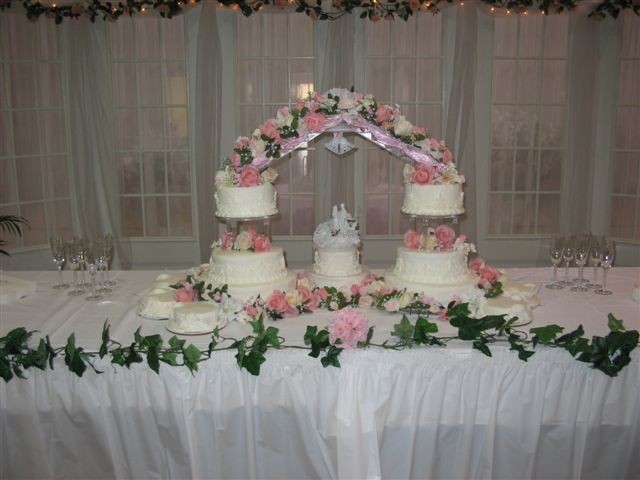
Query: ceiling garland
(373, 10)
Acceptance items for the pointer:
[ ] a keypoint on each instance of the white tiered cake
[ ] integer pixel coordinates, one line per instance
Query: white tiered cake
(336, 258)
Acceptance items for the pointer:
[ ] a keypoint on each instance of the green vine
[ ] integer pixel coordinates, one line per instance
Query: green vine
(374, 10)
(609, 354)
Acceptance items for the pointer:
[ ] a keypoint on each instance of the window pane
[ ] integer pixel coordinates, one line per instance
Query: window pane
(155, 209)
(180, 216)
(131, 216)
(37, 233)
(377, 215)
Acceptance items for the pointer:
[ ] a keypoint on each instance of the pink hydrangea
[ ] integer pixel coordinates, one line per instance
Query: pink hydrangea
(250, 176)
(262, 243)
(413, 240)
(186, 294)
(445, 236)
(350, 326)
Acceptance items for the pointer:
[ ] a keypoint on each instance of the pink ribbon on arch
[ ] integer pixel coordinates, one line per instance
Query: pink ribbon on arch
(360, 125)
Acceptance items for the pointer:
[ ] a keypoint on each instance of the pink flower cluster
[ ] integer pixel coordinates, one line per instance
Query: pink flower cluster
(423, 175)
(186, 294)
(488, 276)
(349, 327)
(249, 176)
(249, 239)
(444, 239)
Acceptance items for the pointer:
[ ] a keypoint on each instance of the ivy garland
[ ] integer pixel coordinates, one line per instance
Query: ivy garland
(609, 354)
(374, 10)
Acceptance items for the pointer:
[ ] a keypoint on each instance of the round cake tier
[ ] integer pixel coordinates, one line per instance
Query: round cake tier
(195, 318)
(246, 202)
(432, 267)
(441, 292)
(233, 267)
(339, 262)
(436, 200)
(157, 304)
(247, 291)
(337, 282)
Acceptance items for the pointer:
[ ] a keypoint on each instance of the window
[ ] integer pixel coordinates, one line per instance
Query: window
(33, 146)
(149, 81)
(625, 190)
(528, 118)
(275, 68)
(403, 66)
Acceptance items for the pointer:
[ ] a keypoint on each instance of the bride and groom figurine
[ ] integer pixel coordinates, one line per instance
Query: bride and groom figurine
(339, 232)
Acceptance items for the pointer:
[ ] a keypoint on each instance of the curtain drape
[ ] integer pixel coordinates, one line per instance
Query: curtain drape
(86, 73)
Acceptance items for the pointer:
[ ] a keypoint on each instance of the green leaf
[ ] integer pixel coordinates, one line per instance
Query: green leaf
(369, 336)
(176, 344)
(570, 337)
(104, 346)
(52, 352)
(319, 340)
(545, 335)
(404, 330)
(5, 369)
(481, 344)
(139, 338)
(271, 337)
(422, 330)
(169, 358)
(257, 325)
(191, 357)
(131, 355)
(331, 358)
(615, 325)
(153, 359)
(72, 357)
(252, 362)
(523, 354)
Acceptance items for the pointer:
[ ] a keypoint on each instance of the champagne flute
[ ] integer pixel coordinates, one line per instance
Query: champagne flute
(59, 257)
(595, 252)
(608, 254)
(581, 257)
(91, 259)
(568, 253)
(73, 253)
(83, 245)
(101, 258)
(555, 253)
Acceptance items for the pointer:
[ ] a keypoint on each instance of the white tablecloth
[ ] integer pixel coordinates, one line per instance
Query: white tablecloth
(422, 413)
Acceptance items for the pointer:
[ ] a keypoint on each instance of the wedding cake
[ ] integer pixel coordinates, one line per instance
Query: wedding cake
(249, 265)
(433, 263)
(196, 318)
(244, 192)
(336, 258)
(433, 190)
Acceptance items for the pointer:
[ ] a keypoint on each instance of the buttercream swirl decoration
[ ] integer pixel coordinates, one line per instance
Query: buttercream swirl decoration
(341, 231)
(337, 110)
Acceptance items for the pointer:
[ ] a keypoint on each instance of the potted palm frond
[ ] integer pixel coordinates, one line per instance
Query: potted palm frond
(11, 224)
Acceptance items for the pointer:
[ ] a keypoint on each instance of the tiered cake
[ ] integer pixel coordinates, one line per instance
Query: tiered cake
(246, 261)
(336, 258)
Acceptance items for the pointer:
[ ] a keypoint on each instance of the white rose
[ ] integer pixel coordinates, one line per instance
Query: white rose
(257, 147)
(305, 282)
(407, 171)
(270, 175)
(293, 298)
(347, 101)
(402, 127)
(284, 118)
(430, 243)
(405, 299)
(224, 177)
(257, 133)
(243, 241)
(243, 317)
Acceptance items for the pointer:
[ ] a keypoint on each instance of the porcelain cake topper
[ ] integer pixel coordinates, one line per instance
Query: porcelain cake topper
(341, 231)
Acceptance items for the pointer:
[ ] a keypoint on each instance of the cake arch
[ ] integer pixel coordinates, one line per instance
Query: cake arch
(338, 111)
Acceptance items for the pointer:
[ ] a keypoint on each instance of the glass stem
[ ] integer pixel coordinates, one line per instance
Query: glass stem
(75, 278)
(604, 279)
(60, 273)
(595, 272)
(566, 271)
(93, 283)
(106, 273)
(82, 274)
(555, 273)
(581, 273)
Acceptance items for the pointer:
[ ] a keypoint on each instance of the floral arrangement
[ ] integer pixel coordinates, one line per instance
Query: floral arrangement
(440, 239)
(248, 240)
(317, 113)
(419, 174)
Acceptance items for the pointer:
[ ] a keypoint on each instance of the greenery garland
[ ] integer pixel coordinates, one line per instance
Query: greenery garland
(609, 354)
(374, 10)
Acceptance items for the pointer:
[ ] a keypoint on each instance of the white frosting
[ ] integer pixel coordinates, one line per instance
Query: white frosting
(165, 280)
(441, 292)
(445, 199)
(340, 262)
(234, 267)
(157, 304)
(196, 317)
(435, 268)
(339, 232)
(245, 292)
(246, 202)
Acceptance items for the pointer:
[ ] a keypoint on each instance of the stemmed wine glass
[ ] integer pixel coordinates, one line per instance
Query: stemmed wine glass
(73, 252)
(101, 258)
(595, 252)
(555, 253)
(581, 257)
(108, 253)
(608, 254)
(59, 257)
(91, 259)
(83, 246)
(568, 252)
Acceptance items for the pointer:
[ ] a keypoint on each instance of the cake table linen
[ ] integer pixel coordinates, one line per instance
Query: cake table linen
(422, 413)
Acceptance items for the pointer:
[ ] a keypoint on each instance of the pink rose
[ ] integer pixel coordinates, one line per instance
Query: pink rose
(323, 294)
(270, 129)
(250, 176)
(262, 243)
(446, 236)
(422, 175)
(413, 240)
(489, 275)
(447, 156)
(314, 121)
(277, 302)
(309, 300)
(350, 326)
(420, 131)
(427, 300)
(217, 297)
(185, 294)
(369, 279)
(383, 114)
(227, 241)
(252, 234)
(251, 311)
(476, 264)
(242, 142)
(365, 301)
(235, 160)
(392, 305)
(442, 314)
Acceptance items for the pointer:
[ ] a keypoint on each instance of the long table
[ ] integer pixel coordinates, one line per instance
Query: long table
(419, 413)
